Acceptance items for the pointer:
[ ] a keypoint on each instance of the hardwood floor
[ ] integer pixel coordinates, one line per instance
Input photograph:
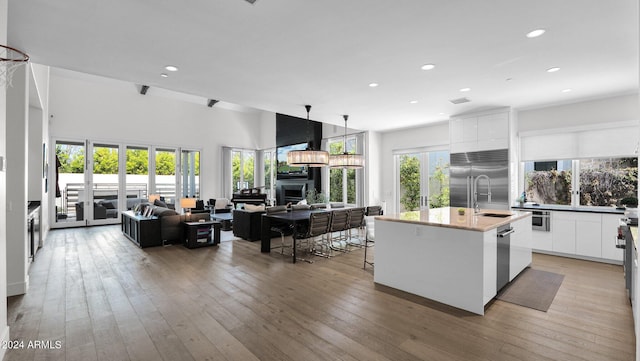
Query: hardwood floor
(106, 299)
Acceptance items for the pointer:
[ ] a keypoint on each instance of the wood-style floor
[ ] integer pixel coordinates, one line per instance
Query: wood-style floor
(106, 299)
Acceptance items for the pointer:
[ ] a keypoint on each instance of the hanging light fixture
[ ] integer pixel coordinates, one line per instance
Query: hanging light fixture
(346, 160)
(308, 157)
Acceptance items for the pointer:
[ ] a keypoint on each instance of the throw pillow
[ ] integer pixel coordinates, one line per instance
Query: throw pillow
(160, 203)
(254, 207)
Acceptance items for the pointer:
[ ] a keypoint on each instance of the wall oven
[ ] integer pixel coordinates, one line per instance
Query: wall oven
(541, 221)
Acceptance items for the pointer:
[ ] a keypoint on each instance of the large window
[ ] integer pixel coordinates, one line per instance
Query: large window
(242, 168)
(269, 158)
(584, 182)
(191, 173)
(342, 182)
(166, 174)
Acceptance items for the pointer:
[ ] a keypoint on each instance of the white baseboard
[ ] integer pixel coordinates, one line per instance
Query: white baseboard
(19, 288)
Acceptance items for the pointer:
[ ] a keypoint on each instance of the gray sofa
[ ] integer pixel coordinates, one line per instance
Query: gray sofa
(171, 229)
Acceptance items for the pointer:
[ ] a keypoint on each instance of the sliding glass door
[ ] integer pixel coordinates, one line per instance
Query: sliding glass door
(165, 179)
(104, 185)
(422, 179)
(70, 187)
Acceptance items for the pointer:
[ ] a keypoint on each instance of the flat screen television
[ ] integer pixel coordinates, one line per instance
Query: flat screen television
(284, 169)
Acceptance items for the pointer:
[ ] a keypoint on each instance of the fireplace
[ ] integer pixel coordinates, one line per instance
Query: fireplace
(293, 193)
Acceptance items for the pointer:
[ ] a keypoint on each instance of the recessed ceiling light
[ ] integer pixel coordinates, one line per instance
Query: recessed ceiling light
(428, 66)
(465, 89)
(441, 113)
(413, 102)
(535, 33)
(171, 68)
(164, 75)
(552, 70)
(373, 85)
(566, 90)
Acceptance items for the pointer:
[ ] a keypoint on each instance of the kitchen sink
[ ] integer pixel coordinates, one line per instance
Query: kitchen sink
(497, 215)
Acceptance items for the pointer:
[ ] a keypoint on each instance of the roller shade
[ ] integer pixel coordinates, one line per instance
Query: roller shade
(606, 140)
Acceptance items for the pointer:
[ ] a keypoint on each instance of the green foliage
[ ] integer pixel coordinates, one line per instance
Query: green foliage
(409, 182)
(166, 163)
(313, 196)
(105, 160)
(439, 186)
(247, 168)
(335, 185)
(71, 158)
(137, 161)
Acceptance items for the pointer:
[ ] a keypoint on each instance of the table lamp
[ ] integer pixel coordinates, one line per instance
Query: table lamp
(187, 203)
(153, 197)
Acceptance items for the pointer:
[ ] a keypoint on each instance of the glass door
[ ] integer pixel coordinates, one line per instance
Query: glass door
(137, 175)
(165, 180)
(104, 183)
(422, 179)
(70, 185)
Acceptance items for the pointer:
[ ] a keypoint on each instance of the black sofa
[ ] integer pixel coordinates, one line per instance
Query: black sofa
(247, 225)
(171, 229)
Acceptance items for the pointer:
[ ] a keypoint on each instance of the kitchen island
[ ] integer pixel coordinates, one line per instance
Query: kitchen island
(451, 258)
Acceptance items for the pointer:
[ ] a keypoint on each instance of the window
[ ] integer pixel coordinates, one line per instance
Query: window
(191, 173)
(607, 181)
(598, 181)
(342, 182)
(242, 168)
(166, 174)
(269, 158)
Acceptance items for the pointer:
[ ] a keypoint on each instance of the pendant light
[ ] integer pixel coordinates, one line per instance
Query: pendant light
(308, 157)
(346, 160)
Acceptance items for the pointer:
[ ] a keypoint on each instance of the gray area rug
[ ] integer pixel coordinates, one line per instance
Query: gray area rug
(532, 288)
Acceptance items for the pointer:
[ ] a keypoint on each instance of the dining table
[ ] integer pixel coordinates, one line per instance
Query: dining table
(291, 218)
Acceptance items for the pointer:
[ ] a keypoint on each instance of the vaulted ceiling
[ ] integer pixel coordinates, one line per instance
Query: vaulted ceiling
(278, 55)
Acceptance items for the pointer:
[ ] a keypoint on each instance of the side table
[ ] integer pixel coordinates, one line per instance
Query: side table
(143, 231)
(201, 234)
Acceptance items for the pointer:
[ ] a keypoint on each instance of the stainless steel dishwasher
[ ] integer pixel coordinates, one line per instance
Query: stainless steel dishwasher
(502, 277)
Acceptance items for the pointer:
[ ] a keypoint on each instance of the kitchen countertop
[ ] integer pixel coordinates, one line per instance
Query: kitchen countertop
(449, 217)
(553, 207)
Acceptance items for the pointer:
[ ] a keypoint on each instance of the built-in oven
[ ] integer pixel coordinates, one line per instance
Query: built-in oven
(541, 221)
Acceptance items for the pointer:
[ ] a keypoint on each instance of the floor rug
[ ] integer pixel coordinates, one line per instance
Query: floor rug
(532, 288)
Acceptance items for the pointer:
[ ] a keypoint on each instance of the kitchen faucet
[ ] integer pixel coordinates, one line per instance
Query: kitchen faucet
(476, 205)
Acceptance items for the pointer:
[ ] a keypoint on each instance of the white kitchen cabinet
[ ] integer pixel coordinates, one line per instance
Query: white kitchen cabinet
(582, 234)
(610, 223)
(588, 234)
(520, 247)
(479, 132)
(564, 232)
(542, 241)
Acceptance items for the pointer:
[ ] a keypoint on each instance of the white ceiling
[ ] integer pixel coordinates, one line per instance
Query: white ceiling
(278, 55)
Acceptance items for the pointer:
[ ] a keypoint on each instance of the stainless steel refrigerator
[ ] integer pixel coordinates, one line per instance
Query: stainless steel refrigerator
(464, 172)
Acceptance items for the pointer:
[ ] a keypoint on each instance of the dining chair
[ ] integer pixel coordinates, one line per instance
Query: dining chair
(356, 222)
(370, 236)
(339, 224)
(318, 226)
(277, 227)
(373, 211)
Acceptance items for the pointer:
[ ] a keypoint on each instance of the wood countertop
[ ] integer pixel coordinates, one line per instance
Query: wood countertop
(450, 218)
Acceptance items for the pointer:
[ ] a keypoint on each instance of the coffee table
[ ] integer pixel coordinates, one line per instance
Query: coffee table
(225, 219)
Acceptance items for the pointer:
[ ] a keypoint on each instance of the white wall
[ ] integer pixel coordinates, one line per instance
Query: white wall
(90, 107)
(4, 328)
(17, 168)
(409, 138)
